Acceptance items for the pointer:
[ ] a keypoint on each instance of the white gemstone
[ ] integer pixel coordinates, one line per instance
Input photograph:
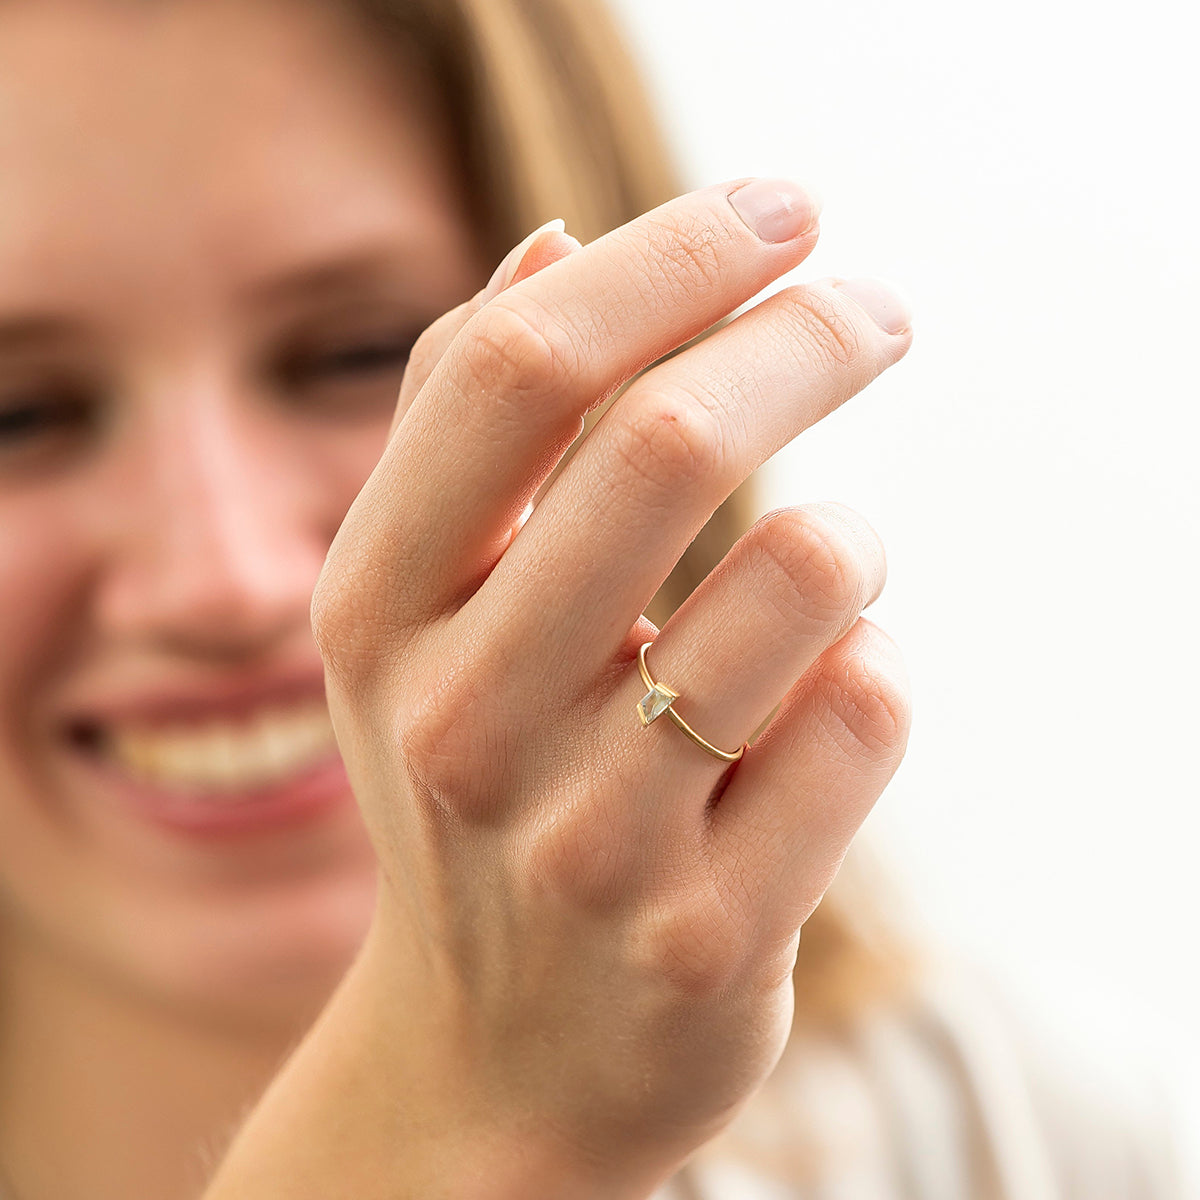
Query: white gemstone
(654, 703)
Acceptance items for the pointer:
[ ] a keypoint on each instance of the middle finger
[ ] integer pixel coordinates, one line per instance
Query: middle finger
(665, 455)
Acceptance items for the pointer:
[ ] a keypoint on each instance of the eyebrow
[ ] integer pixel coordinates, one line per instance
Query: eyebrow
(339, 271)
(37, 330)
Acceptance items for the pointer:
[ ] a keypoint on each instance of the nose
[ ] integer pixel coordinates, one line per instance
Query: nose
(219, 545)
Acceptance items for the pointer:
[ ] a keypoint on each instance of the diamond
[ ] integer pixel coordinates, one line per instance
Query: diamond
(655, 702)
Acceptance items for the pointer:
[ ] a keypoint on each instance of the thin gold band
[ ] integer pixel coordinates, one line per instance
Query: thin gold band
(661, 699)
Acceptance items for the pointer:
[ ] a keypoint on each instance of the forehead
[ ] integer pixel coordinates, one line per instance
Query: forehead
(208, 135)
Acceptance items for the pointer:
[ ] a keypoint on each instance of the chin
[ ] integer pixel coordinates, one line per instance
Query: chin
(243, 928)
(255, 952)
(268, 959)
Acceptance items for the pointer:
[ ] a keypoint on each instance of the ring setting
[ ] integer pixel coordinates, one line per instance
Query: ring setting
(661, 699)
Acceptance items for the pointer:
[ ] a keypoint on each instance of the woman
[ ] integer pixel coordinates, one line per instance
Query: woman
(221, 229)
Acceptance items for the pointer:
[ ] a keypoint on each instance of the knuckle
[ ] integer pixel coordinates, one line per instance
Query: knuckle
(697, 947)
(443, 739)
(345, 621)
(508, 353)
(822, 326)
(672, 257)
(361, 618)
(324, 611)
(687, 251)
(670, 437)
(864, 691)
(823, 576)
(584, 854)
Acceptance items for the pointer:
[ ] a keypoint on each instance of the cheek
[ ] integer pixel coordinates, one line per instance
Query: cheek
(44, 565)
(338, 462)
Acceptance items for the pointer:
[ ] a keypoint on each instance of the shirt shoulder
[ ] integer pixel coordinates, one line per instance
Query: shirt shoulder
(1047, 1115)
(958, 1092)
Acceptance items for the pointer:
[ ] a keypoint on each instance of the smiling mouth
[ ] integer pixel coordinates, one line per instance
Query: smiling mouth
(220, 759)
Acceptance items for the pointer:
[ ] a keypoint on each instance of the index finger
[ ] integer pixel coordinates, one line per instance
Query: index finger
(507, 399)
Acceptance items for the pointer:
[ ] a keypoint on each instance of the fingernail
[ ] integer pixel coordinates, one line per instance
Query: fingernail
(889, 310)
(503, 274)
(775, 209)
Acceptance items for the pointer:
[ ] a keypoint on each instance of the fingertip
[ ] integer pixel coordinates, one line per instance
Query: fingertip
(882, 300)
(505, 274)
(889, 653)
(548, 248)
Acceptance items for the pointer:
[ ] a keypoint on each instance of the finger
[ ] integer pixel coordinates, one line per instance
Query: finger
(542, 247)
(782, 827)
(790, 588)
(507, 398)
(662, 459)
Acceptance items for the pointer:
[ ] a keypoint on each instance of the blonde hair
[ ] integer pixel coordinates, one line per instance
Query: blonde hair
(553, 119)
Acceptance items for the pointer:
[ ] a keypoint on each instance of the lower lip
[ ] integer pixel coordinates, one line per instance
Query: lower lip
(304, 797)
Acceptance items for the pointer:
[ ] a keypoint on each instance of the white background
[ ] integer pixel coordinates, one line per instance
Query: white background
(1027, 173)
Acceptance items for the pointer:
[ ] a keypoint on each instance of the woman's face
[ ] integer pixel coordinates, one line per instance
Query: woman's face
(222, 223)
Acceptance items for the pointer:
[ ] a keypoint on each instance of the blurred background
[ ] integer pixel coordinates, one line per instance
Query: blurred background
(1027, 174)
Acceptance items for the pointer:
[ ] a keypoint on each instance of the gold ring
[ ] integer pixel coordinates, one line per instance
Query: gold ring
(661, 699)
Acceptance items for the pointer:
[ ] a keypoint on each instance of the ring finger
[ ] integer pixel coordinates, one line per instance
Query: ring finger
(790, 588)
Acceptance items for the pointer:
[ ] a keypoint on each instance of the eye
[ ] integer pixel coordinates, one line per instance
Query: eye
(38, 420)
(363, 358)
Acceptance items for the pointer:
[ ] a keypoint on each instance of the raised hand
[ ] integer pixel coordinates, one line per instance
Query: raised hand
(583, 950)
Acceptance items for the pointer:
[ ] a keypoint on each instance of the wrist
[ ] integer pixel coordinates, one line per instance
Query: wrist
(374, 1104)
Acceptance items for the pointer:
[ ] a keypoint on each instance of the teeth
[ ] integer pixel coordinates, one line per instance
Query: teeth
(223, 757)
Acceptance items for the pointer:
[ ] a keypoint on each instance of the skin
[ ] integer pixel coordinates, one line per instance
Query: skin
(576, 965)
(181, 548)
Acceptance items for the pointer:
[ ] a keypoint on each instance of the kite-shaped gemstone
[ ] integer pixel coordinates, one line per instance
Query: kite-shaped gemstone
(655, 702)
